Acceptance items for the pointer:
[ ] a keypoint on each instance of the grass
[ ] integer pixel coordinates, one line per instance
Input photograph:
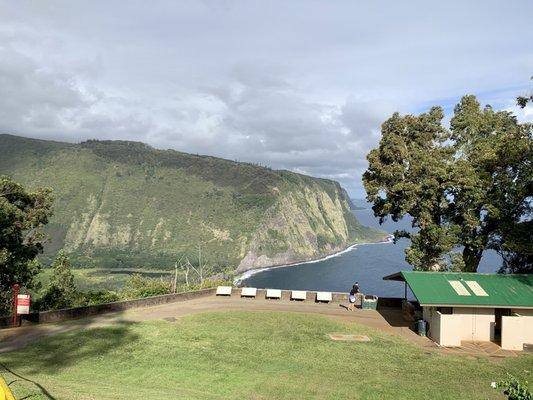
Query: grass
(247, 355)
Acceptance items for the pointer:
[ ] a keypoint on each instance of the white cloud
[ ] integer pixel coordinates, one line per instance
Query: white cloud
(297, 85)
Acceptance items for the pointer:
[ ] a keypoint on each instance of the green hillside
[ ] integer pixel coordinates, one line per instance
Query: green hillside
(123, 203)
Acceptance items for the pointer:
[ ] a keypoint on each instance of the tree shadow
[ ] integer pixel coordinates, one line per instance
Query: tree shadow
(51, 353)
(395, 317)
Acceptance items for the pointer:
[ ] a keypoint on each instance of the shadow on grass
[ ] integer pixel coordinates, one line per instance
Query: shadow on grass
(53, 352)
(394, 317)
(21, 378)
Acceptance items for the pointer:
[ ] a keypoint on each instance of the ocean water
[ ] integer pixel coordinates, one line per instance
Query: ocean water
(367, 264)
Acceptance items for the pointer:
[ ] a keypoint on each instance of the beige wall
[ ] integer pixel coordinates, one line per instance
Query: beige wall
(468, 324)
(527, 316)
(476, 324)
(512, 333)
(517, 329)
(443, 328)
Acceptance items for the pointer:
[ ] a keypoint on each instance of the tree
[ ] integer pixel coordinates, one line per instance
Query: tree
(522, 101)
(22, 216)
(62, 291)
(469, 186)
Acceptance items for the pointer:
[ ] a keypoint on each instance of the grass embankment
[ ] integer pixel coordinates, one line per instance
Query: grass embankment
(250, 356)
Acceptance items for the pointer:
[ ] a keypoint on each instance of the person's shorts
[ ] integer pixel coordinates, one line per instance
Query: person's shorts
(352, 298)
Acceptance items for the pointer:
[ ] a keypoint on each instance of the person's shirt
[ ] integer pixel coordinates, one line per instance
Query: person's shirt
(355, 288)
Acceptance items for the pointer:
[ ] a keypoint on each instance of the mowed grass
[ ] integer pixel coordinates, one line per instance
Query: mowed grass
(247, 355)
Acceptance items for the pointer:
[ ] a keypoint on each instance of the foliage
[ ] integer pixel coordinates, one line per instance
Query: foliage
(468, 186)
(61, 292)
(514, 389)
(22, 216)
(139, 286)
(98, 297)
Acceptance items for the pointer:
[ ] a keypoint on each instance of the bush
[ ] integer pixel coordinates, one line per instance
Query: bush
(61, 292)
(98, 297)
(514, 389)
(139, 286)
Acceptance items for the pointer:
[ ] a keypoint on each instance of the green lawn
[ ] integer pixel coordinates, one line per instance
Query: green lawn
(247, 355)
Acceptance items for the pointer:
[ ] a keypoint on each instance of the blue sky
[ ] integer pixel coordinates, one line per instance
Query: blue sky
(301, 85)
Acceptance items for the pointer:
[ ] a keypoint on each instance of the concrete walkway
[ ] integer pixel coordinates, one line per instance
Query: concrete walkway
(387, 320)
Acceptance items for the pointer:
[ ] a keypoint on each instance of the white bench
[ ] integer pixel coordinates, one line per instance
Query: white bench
(273, 294)
(298, 295)
(223, 291)
(248, 292)
(323, 296)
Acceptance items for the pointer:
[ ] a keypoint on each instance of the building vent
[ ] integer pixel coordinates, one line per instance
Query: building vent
(474, 287)
(459, 288)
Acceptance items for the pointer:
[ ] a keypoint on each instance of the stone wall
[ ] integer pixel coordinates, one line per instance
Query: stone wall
(80, 312)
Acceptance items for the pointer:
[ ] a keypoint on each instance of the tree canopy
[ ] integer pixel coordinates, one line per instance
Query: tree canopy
(22, 215)
(466, 186)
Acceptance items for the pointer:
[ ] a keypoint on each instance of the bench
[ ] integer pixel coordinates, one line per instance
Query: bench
(298, 295)
(248, 292)
(323, 296)
(273, 294)
(223, 291)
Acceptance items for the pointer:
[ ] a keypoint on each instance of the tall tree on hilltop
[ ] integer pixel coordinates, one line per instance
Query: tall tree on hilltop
(469, 186)
(22, 215)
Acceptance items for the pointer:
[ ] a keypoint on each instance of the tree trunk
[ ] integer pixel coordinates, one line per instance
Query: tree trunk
(471, 258)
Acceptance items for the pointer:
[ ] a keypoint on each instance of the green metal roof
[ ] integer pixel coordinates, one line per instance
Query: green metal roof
(469, 289)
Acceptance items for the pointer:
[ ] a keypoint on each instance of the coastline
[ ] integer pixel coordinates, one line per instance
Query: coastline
(247, 274)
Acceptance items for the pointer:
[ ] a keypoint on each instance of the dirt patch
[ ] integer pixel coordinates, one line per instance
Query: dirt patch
(349, 338)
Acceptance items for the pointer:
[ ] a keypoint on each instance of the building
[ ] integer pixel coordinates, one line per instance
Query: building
(474, 307)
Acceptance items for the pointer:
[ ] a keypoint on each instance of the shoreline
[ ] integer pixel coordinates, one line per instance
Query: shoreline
(247, 274)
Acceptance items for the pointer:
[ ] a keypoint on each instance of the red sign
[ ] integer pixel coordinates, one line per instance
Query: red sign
(23, 304)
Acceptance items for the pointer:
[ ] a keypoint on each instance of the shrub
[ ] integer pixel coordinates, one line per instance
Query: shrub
(514, 389)
(139, 286)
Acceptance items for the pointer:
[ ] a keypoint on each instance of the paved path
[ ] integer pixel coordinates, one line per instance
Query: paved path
(388, 320)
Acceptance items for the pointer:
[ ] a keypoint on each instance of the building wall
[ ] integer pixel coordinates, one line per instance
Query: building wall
(443, 328)
(512, 333)
(527, 316)
(476, 324)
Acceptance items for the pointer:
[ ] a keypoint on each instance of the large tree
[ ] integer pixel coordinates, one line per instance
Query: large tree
(467, 186)
(22, 215)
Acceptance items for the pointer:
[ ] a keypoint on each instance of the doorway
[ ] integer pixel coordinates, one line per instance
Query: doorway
(498, 314)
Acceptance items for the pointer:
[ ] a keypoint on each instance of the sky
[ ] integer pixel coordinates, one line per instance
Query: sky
(298, 85)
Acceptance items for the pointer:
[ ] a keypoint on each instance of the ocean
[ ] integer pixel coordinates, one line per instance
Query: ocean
(365, 263)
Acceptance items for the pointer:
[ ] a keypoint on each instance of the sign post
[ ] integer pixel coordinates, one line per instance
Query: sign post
(21, 304)
(16, 288)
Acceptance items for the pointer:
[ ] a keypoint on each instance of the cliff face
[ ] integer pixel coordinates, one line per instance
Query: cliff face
(127, 204)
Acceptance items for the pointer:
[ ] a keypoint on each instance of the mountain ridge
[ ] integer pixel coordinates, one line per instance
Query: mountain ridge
(123, 203)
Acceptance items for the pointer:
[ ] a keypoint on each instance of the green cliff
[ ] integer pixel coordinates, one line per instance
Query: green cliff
(127, 204)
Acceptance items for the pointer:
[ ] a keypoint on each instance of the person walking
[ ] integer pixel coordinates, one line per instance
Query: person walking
(353, 296)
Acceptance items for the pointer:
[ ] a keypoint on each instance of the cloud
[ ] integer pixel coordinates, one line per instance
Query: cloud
(296, 85)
